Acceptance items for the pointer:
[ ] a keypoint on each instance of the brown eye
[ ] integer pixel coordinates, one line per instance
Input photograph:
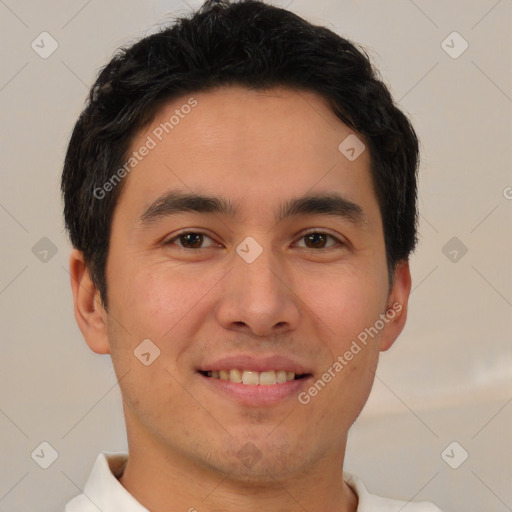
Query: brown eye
(189, 240)
(318, 240)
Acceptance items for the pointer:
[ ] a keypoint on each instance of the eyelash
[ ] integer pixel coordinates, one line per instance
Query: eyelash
(313, 231)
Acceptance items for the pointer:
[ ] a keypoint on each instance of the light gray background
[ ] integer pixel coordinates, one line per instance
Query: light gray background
(449, 376)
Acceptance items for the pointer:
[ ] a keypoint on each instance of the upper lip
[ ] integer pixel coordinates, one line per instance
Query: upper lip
(255, 364)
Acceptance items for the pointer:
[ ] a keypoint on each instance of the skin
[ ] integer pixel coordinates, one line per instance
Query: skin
(309, 304)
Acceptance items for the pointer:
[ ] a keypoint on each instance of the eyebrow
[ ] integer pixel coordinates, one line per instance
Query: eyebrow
(175, 202)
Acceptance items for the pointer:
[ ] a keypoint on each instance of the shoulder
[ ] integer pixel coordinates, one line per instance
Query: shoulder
(371, 503)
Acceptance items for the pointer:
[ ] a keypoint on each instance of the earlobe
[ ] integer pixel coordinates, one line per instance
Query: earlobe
(89, 312)
(397, 305)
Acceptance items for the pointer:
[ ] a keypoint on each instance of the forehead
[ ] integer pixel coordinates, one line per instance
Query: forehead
(245, 143)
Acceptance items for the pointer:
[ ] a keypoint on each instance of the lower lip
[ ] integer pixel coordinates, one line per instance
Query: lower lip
(257, 395)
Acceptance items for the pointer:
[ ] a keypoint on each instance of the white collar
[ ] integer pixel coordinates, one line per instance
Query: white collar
(103, 492)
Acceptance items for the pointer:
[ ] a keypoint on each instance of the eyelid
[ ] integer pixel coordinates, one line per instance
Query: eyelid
(299, 236)
(323, 231)
(170, 241)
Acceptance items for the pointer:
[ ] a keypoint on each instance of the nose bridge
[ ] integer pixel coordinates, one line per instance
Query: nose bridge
(256, 293)
(262, 277)
(259, 268)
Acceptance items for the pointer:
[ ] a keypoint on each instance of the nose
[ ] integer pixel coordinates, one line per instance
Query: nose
(258, 298)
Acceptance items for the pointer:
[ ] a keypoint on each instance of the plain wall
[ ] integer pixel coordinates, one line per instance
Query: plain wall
(448, 377)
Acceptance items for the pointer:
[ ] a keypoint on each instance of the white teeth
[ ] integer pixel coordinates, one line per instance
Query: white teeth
(281, 376)
(267, 378)
(252, 378)
(235, 376)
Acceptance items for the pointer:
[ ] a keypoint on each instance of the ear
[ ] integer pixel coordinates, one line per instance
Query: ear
(90, 314)
(397, 305)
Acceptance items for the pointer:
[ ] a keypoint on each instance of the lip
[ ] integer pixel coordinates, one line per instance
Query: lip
(258, 395)
(255, 364)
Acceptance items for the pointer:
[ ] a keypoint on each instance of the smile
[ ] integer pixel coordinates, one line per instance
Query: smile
(255, 381)
(253, 378)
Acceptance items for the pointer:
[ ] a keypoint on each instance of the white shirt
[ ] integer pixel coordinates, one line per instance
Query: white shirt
(104, 492)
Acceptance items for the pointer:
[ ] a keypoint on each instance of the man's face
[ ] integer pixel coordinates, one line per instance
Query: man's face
(210, 301)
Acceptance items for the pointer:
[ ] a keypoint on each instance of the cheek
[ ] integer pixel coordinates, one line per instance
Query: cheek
(153, 299)
(346, 302)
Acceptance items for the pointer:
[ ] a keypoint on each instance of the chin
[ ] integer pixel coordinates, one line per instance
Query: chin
(260, 461)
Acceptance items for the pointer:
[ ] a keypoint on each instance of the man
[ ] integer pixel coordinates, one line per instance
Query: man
(240, 192)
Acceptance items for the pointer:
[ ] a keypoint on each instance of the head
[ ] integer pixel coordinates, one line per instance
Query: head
(245, 109)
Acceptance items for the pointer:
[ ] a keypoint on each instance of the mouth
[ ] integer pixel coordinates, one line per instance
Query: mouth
(253, 381)
(254, 378)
